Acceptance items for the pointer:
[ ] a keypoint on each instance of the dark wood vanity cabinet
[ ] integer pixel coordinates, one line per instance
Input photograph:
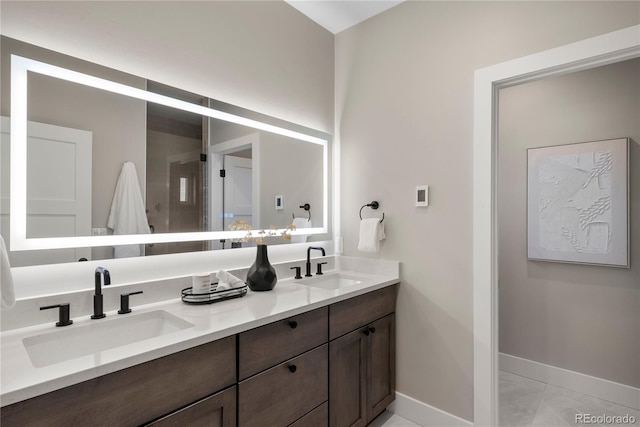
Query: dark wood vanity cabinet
(332, 366)
(133, 396)
(362, 369)
(218, 410)
(317, 417)
(266, 346)
(283, 368)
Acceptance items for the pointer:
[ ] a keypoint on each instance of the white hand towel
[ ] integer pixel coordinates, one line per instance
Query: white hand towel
(371, 232)
(6, 279)
(299, 223)
(227, 279)
(128, 215)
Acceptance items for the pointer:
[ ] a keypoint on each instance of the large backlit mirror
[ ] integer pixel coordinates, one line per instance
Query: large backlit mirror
(99, 164)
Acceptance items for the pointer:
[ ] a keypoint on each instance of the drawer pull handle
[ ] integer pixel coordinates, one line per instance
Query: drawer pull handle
(292, 368)
(373, 330)
(293, 324)
(366, 332)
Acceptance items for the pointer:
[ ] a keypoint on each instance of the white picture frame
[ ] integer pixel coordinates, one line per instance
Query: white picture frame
(578, 203)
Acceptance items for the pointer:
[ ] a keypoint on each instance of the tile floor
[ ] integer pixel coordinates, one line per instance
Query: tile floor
(389, 419)
(530, 403)
(526, 402)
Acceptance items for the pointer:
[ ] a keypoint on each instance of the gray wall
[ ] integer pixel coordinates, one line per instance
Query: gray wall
(293, 169)
(264, 56)
(578, 317)
(404, 84)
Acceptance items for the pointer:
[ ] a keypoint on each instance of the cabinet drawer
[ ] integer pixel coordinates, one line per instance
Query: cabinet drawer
(135, 395)
(218, 410)
(347, 315)
(278, 396)
(316, 418)
(268, 345)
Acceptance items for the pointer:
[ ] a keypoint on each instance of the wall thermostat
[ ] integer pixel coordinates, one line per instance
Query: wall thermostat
(279, 202)
(422, 195)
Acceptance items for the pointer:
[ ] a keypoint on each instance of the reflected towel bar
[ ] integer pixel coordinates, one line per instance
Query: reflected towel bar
(306, 207)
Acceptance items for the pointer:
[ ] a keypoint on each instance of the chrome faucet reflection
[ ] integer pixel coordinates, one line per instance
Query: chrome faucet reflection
(102, 276)
(309, 258)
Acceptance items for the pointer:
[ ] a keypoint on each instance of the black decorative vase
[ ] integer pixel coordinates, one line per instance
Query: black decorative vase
(261, 275)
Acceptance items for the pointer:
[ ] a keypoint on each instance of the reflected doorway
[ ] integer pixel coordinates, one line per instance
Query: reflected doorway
(185, 202)
(175, 171)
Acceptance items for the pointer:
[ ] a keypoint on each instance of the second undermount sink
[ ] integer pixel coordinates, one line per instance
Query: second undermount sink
(76, 341)
(332, 281)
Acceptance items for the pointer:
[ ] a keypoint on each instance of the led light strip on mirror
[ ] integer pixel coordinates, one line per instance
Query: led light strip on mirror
(20, 67)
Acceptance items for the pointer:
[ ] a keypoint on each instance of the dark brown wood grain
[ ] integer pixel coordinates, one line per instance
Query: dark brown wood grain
(218, 410)
(381, 366)
(362, 373)
(278, 397)
(347, 315)
(347, 380)
(319, 417)
(266, 346)
(135, 395)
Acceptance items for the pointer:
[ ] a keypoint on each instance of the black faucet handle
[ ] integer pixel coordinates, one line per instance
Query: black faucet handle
(124, 302)
(319, 271)
(298, 272)
(63, 314)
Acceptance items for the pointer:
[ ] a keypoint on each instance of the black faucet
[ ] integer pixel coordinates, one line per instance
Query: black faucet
(309, 258)
(98, 313)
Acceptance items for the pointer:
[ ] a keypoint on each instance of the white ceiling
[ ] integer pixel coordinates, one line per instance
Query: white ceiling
(338, 15)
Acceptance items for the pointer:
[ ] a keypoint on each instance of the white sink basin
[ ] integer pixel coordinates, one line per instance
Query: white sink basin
(331, 281)
(73, 341)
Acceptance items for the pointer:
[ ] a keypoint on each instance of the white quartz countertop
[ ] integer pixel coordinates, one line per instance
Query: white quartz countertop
(20, 380)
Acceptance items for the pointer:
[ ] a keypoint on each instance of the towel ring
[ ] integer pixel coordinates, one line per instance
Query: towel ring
(306, 207)
(373, 205)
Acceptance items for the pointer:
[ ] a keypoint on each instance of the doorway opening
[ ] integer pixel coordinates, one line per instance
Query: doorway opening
(175, 171)
(556, 346)
(609, 48)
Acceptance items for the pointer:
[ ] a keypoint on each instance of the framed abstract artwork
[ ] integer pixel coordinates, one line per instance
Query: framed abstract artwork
(578, 203)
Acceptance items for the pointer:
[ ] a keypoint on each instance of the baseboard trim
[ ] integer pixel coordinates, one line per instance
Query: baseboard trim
(603, 389)
(424, 414)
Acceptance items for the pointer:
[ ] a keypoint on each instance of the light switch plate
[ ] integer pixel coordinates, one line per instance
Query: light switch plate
(279, 202)
(422, 195)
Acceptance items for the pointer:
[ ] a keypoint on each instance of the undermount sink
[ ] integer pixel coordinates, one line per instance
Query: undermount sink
(332, 281)
(76, 341)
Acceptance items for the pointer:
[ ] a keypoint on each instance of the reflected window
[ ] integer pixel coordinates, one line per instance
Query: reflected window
(184, 185)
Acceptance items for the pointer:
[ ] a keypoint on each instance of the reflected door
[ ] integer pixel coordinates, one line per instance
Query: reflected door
(237, 190)
(58, 190)
(185, 203)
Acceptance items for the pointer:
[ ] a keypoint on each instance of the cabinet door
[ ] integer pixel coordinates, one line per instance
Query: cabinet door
(319, 417)
(218, 410)
(347, 380)
(381, 366)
